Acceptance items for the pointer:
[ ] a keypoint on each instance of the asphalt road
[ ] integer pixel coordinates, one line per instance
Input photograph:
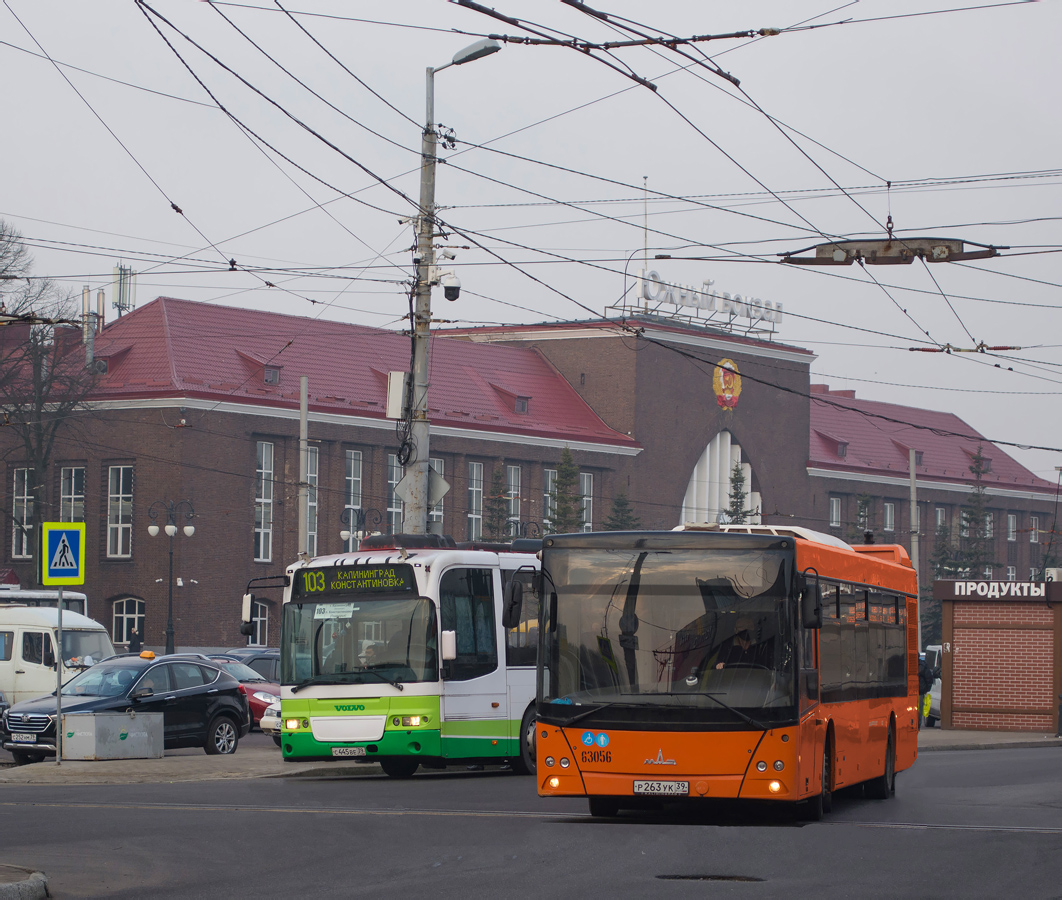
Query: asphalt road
(963, 824)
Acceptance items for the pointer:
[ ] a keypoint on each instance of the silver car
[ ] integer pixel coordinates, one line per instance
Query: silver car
(270, 722)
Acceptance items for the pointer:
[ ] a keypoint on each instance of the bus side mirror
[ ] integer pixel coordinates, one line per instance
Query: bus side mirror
(514, 604)
(449, 645)
(811, 605)
(248, 605)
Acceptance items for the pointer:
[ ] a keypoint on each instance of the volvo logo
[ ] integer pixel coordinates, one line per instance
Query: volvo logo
(660, 761)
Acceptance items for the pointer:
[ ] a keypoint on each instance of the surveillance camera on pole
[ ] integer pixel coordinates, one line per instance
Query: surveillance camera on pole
(451, 285)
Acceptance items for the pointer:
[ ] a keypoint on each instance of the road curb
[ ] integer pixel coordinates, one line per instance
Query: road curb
(17, 883)
(991, 745)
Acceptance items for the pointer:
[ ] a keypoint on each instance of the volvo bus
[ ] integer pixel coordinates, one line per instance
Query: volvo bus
(737, 662)
(408, 657)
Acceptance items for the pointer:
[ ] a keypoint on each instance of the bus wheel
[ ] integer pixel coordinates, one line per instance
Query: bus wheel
(604, 807)
(884, 786)
(527, 764)
(399, 768)
(821, 804)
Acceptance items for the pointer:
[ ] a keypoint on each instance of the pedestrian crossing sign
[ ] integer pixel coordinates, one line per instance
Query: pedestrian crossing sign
(63, 556)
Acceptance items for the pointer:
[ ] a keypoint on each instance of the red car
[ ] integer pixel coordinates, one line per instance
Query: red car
(260, 693)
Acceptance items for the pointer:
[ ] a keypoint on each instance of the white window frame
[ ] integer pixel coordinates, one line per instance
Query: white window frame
(72, 494)
(512, 496)
(260, 621)
(475, 501)
(987, 573)
(586, 500)
(888, 517)
(352, 460)
(119, 512)
(835, 512)
(435, 514)
(942, 516)
(549, 499)
(313, 459)
(990, 524)
(123, 617)
(263, 501)
(395, 507)
(21, 514)
(1034, 529)
(1012, 527)
(1012, 573)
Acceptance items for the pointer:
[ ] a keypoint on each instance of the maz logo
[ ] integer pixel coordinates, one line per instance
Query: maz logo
(660, 761)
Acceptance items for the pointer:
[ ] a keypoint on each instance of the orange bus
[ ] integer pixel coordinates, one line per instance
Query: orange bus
(740, 662)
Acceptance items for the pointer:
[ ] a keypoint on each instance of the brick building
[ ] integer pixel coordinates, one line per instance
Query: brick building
(1002, 660)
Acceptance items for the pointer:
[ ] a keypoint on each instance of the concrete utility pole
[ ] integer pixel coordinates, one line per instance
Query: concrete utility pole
(915, 538)
(415, 487)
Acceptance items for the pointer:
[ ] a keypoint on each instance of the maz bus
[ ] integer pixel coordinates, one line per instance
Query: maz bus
(724, 662)
(406, 657)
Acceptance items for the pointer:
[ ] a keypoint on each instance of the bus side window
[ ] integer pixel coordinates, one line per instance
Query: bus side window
(521, 642)
(7, 643)
(466, 604)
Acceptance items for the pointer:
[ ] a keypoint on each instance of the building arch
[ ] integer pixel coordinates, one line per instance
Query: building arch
(707, 495)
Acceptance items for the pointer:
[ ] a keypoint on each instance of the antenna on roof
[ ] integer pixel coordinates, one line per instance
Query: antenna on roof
(124, 292)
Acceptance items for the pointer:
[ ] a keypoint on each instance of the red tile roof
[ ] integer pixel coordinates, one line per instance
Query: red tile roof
(181, 348)
(878, 440)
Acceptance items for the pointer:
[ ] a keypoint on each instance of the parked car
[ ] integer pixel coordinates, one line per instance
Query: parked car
(270, 722)
(260, 691)
(934, 704)
(264, 660)
(202, 705)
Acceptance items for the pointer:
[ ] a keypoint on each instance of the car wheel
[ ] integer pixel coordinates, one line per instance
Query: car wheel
(23, 759)
(400, 767)
(222, 737)
(276, 739)
(931, 722)
(527, 764)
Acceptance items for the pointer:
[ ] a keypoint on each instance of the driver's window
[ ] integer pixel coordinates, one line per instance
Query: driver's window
(466, 601)
(521, 642)
(37, 648)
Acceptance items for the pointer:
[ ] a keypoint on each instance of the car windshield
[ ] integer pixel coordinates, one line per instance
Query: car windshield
(83, 648)
(677, 629)
(365, 640)
(102, 681)
(239, 671)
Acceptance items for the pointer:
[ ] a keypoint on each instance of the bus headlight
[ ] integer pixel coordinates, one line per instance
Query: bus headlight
(774, 787)
(554, 782)
(291, 724)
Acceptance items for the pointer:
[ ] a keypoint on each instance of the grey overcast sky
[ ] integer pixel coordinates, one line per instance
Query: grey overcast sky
(305, 175)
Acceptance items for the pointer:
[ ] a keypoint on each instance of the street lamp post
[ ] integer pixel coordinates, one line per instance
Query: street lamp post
(357, 518)
(418, 502)
(173, 508)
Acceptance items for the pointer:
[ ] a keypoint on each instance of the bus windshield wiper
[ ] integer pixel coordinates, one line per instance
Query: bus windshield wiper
(735, 711)
(319, 679)
(596, 708)
(371, 670)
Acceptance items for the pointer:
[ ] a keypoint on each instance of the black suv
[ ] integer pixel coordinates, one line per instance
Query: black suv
(202, 705)
(264, 660)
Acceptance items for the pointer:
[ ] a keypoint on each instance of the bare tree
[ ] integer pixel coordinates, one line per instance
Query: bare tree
(43, 383)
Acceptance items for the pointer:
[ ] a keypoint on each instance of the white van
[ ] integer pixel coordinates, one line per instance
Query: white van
(27, 649)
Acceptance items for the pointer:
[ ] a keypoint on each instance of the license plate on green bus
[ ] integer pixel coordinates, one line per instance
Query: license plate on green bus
(662, 788)
(348, 751)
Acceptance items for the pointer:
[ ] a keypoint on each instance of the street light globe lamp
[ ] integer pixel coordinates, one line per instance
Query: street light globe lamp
(173, 509)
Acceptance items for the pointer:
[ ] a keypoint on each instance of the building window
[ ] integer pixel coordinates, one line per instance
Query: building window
(990, 525)
(312, 462)
(1012, 573)
(1012, 527)
(1034, 573)
(475, 501)
(987, 572)
(863, 515)
(22, 515)
(128, 614)
(549, 498)
(942, 517)
(260, 620)
(512, 497)
(72, 494)
(395, 506)
(1034, 529)
(435, 514)
(918, 457)
(120, 512)
(586, 501)
(964, 523)
(888, 522)
(353, 495)
(263, 503)
(835, 512)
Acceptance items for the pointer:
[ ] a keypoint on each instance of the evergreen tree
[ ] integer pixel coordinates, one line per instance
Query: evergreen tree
(567, 512)
(496, 509)
(622, 517)
(736, 512)
(976, 550)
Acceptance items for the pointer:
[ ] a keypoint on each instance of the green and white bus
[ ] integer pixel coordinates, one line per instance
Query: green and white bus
(408, 658)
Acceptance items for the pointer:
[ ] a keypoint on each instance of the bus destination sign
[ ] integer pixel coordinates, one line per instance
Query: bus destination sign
(332, 581)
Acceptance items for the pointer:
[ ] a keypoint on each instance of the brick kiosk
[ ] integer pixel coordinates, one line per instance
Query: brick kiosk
(1002, 660)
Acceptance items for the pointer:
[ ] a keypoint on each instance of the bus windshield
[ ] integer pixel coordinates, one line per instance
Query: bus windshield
(680, 635)
(359, 639)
